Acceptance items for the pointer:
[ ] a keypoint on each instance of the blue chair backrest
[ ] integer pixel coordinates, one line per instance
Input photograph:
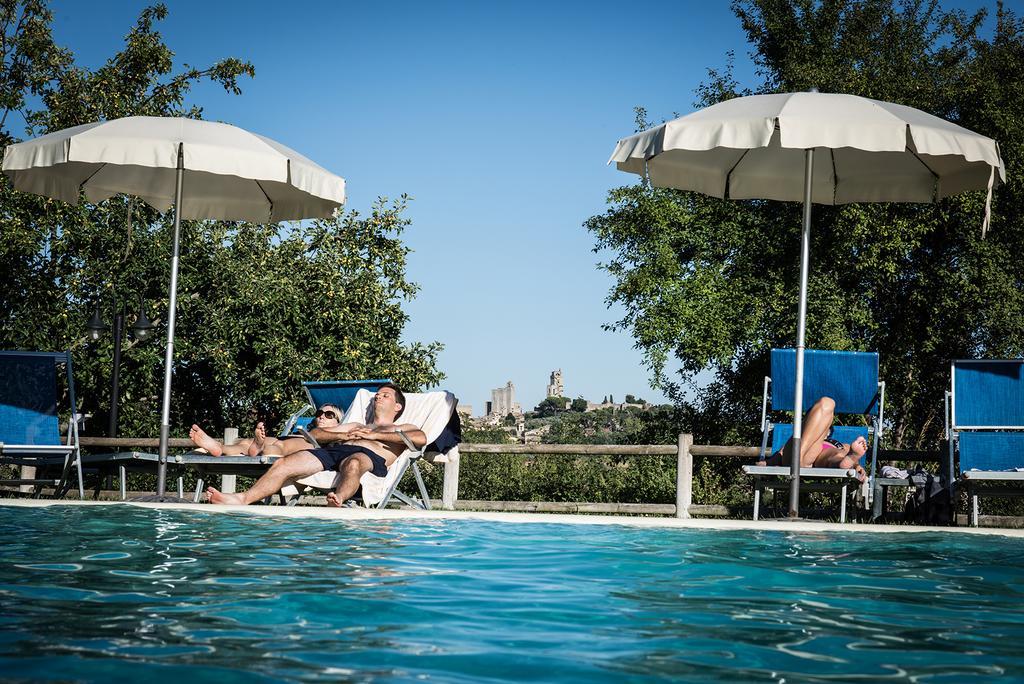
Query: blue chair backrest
(28, 398)
(988, 393)
(1001, 450)
(340, 393)
(850, 378)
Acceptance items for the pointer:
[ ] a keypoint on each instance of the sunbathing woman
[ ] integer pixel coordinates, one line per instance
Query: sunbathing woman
(327, 416)
(816, 450)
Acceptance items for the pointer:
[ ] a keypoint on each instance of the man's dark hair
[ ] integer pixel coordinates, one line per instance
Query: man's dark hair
(399, 396)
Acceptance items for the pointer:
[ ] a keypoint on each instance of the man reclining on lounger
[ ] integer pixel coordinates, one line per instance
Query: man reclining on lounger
(353, 449)
(327, 416)
(816, 450)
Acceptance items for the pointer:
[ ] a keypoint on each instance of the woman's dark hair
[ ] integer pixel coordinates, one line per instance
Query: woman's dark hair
(399, 396)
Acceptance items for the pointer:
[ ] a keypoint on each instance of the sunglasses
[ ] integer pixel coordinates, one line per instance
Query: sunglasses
(327, 414)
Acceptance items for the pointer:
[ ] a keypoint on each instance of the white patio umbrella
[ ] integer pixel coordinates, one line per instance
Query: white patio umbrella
(764, 147)
(208, 170)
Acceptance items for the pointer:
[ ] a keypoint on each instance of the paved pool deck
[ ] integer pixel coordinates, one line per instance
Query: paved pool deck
(564, 519)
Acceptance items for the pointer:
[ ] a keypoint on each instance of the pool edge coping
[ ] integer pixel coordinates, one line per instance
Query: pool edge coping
(558, 518)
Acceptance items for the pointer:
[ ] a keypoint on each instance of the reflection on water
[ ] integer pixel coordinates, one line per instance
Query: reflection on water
(118, 592)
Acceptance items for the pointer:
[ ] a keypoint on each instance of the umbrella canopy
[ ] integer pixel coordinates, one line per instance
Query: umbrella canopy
(815, 148)
(207, 170)
(870, 151)
(230, 173)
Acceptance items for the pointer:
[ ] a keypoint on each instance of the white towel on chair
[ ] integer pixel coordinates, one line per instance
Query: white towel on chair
(430, 411)
(894, 472)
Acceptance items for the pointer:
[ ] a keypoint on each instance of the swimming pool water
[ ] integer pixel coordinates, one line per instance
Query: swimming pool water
(112, 593)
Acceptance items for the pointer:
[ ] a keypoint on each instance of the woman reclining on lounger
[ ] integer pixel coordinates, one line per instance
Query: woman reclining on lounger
(816, 450)
(326, 416)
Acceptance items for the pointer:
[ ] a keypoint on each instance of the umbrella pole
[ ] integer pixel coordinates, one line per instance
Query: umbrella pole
(798, 390)
(165, 411)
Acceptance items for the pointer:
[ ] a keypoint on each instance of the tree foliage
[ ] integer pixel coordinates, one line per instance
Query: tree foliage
(708, 284)
(29, 59)
(260, 307)
(550, 406)
(604, 426)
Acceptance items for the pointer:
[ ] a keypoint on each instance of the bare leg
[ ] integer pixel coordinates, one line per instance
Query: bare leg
(295, 466)
(285, 447)
(239, 448)
(848, 457)
(272, 446)
(258, 439)
(352, 468)
(817, 424)
(205, 441)
(835, 458)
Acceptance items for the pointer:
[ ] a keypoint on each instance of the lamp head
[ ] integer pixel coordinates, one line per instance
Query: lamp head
(143, 327)
(95, 326)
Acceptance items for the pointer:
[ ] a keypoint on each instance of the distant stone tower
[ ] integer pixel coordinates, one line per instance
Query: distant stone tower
(503, 401)
(555, 387)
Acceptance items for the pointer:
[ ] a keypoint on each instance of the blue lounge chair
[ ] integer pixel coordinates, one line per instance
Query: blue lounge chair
(985, 426)
(340, 393)
(851, 379)
(29, 424)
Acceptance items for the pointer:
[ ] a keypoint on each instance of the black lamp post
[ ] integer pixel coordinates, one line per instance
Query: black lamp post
(141, 330)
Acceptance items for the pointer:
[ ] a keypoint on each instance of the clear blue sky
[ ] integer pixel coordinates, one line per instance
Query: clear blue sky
(497, 118)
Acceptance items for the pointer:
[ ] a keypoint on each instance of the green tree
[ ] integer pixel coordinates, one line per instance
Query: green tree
(29, 59)
(579, 405)
(260, 306)
(712, 284)
(604, 426)
(487, 434)
(550, 406)
(321, 299)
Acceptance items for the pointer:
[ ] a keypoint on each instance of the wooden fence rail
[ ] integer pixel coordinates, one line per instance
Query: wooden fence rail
(684, 450)
(143, 442)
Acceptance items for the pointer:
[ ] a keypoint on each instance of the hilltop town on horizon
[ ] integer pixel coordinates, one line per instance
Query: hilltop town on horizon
(503, 402)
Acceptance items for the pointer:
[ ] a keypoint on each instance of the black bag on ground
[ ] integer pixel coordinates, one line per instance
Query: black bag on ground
(930, 502)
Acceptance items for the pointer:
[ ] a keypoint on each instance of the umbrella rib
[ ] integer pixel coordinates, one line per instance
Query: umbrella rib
(835, 175)
(81, 186)
(728, 176)
(935, 176)
(269, 201)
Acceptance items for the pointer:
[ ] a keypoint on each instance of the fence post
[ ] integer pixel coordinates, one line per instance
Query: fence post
(27, 473)
(227, 482)
(684, 476)
(450, 490)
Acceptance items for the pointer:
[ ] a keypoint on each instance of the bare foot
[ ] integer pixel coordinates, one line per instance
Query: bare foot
(333, 501)
(205, 441)
(213, 495)
(259, 438)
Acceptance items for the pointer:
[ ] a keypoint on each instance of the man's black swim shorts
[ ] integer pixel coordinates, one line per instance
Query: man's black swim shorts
(332, 455)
